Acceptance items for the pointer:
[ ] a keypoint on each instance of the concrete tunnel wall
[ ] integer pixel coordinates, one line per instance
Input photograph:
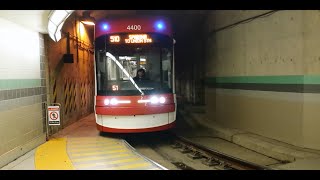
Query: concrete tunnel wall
(72, 84)
(263, 76)
(22, 90)
(189, 59)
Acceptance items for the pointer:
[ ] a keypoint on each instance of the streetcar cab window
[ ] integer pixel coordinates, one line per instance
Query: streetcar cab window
(117, 76)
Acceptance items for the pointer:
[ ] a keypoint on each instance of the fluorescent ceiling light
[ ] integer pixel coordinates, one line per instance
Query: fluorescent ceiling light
(56, 21)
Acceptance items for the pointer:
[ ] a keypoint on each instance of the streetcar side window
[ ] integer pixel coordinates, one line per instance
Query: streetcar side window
(166, 67)
(150, 61)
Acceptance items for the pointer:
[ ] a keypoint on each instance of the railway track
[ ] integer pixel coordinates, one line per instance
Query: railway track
(211, 157)
(192, 153)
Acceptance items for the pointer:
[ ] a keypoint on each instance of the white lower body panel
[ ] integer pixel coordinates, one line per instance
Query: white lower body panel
(135, 122)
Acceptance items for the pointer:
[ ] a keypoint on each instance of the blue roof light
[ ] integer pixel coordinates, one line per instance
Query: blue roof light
(105, 26)
(159, 25)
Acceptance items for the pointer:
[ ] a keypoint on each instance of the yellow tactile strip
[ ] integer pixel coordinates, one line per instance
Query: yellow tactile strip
(104, 154)
(90, 153)
(52, 155)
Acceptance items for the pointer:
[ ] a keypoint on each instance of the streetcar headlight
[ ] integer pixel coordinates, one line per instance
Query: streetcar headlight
(162, 100)
(154, 100)
(106, 102)
(114, 101)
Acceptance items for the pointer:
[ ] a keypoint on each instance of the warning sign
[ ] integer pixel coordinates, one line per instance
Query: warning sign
(54, 115)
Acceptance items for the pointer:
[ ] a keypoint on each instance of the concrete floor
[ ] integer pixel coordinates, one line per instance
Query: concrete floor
(163, 154)
(87, 149)
(304, 164)
(25, 162)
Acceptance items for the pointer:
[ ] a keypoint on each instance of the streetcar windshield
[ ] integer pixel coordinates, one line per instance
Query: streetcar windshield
(117, 67)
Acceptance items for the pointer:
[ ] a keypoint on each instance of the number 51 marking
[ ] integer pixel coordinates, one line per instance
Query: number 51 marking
(115, 87)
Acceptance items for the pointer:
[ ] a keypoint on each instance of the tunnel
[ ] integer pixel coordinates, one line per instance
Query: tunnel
(159, 90)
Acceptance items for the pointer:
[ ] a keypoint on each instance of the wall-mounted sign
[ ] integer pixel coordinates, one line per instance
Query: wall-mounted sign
(54, 115)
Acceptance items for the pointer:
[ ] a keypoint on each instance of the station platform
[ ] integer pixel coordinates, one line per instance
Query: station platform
(81, 147)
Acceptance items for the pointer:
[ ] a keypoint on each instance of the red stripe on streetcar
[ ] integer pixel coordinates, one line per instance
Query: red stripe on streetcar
(115, 130)
(138, 110)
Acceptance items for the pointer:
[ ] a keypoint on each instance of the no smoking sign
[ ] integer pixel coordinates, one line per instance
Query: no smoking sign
(54, 115)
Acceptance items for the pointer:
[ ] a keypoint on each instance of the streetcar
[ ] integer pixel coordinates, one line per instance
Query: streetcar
(134, 75)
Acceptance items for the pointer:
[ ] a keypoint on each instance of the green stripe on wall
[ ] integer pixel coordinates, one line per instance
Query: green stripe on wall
(311, 79)
(292, 79)
(19, 83)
